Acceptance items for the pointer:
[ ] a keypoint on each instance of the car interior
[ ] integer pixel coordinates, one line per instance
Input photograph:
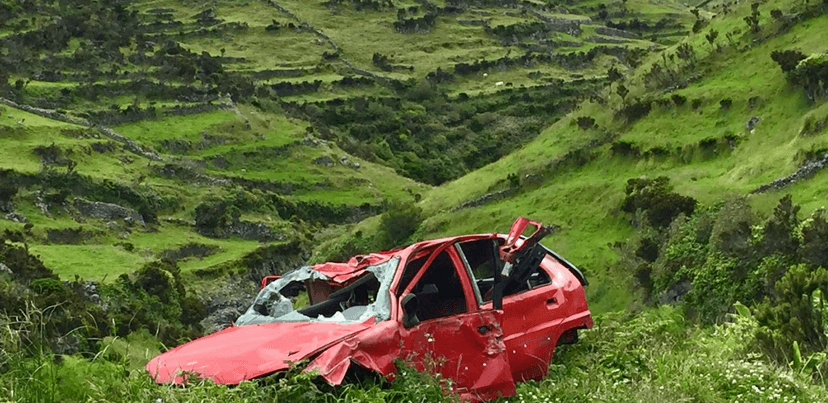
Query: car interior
(352, 300)
(439, 291)
(483, 260)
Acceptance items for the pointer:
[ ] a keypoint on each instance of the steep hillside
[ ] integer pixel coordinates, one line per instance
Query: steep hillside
(725, 123)
(174, 151)
(234, 124)
(286, 111)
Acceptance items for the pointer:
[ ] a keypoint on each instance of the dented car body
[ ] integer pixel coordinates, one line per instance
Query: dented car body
(484, 311)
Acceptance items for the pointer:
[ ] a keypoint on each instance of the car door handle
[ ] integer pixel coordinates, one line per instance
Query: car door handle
(551, 301)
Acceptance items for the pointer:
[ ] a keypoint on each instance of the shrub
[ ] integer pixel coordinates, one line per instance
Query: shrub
(399, 222)
(678, 100)
(211, 215)
(815, 240)
(711, 36)
(779, 233)
(154, 298)
(439, 76)
(657, 200)
(273, 26)
(381, 61)
(776, 14)
(731, 231)
(68, 319)
(635, 110)
(699, 25)
(793, 314)
(787, 59)
(627, 148)
(752, 20)
(586, 122)
(812, 74)
(7, 192)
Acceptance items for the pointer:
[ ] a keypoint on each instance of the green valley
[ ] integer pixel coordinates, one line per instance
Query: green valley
(158, 157)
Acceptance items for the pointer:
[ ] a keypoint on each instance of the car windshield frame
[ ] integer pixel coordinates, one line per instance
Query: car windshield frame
(271, 306)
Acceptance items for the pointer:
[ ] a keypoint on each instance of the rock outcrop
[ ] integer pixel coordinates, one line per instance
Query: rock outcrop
(108, 211)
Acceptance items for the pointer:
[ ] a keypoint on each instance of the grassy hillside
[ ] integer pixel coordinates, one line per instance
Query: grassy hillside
(706, 150)
(218, 141)
(200, 101)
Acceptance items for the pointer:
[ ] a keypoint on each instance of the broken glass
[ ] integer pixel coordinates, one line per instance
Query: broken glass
(366, 297)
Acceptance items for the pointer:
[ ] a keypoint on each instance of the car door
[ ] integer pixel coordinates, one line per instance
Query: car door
(531, 316)
(451, 335)
(532, 324)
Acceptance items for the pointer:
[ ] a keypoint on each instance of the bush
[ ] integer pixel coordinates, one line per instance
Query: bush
(779, 235)
(154, 298)
(68, 320)
(211, 215)
(793, 314)
(815, 240)
(812, 74)
(626, 148)
(586, 122)
(398, 223)
(635, 110)
(679, 100)
(656, 199)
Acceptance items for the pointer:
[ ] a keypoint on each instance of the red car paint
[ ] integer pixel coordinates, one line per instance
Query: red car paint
(482, 350)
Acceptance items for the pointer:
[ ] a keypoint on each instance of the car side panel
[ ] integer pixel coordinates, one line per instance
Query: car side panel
(374, 349)
(466, 348)
(534, 320)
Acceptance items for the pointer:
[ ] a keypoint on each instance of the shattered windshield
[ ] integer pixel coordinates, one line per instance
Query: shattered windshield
(305, 295)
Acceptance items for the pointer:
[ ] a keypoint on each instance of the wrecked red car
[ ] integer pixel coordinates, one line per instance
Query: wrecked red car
(484, 311)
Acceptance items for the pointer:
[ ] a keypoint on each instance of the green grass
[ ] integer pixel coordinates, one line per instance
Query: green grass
(177, 127)
(584, 201)
(11, 116)
(22, 132)
(658, 356)
(291, 49)
(655, 355)
(100, 259)
(90, 262)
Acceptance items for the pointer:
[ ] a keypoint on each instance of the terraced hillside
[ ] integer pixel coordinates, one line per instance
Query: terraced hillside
(174, 151)
(274, 117)
(719, 118)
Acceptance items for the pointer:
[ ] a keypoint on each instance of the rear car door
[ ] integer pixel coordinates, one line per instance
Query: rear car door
(531, 310)
(532, 324)
(451, 335)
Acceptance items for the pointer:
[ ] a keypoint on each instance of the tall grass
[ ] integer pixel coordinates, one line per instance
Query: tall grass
(30, 372)
(652, 356)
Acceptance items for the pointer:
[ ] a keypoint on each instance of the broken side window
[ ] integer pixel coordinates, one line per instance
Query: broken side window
(287, 299)
(482, 258)
(537, 278)
(484, 263)
(415, 263)
(440, 291)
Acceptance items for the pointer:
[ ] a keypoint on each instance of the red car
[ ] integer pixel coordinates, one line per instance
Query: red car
(484, 311)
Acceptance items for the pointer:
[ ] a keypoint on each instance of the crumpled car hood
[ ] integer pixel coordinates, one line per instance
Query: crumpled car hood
(240, 353)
